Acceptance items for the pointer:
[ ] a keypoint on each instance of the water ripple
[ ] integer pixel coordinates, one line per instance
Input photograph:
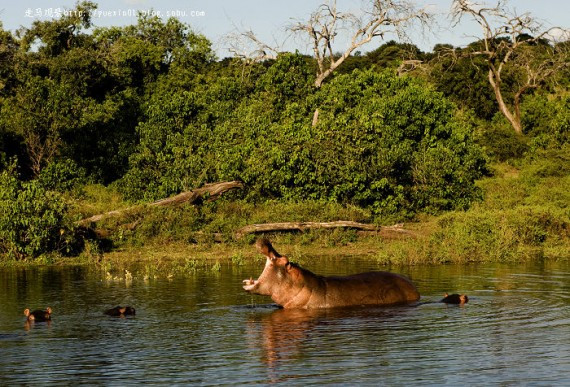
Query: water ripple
(206, 331)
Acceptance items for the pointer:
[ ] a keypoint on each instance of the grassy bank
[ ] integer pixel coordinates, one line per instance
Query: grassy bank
(524, 215)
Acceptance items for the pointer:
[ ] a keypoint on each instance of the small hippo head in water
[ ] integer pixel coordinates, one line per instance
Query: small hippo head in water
(38, 315)
(291, 286)
(455, 299)
(120, 311)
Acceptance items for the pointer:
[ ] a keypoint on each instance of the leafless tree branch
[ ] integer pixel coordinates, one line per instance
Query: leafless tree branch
(247, 46)
(510, 39)
(381, 17)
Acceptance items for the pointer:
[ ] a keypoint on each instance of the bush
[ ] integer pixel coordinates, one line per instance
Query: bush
(479, 235)
(61, 176)
(548, 162)
(32, 219)
(382, 142)
(500, 141)
(392, 144)
(547, 121)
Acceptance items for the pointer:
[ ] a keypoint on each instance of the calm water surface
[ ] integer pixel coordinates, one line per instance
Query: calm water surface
(205, 330)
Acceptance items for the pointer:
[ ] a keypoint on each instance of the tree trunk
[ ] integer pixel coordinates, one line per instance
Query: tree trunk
(514, 119)
(315, 117)
(213, 190)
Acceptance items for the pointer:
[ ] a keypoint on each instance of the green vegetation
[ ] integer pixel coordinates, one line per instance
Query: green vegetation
(116, 117)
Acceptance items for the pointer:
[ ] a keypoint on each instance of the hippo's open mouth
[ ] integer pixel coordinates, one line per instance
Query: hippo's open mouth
(249, 284)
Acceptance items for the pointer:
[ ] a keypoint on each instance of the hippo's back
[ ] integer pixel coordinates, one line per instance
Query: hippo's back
(372, 288)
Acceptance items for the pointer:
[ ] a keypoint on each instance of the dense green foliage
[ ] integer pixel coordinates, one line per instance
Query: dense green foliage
(525, 215)
(464, 81)
(149, 111)
(32, 218)
(380, 141)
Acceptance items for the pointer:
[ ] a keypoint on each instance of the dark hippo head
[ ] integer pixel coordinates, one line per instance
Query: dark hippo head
(121, 311)
(38, 315)
(459, 299)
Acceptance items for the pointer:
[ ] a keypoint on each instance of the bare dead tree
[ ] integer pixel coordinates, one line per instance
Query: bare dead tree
(41, 149)
(408, 65)
(248, 47)
(510, 41)
(379, 18)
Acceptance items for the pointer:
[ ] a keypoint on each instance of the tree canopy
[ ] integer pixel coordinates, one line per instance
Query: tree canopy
(149, 109)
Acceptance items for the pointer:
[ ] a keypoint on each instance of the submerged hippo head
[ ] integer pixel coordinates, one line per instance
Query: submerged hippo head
(121, 311)
(38, 315)
(455, 299)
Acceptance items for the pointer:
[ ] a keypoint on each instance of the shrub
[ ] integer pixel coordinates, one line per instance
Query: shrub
(393, 144)
(500, 141)
(62, 175)
(32, 218)
(382, 142)
(547, 121)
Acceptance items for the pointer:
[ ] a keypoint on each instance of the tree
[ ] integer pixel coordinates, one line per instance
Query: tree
(513, 43)
(39, 112)
(463, 79)
(381, 17)
(56, 36)
(8, 51)
(68, 93)
(42, 102)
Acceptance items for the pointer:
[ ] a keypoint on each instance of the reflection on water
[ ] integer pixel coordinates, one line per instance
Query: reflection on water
(205, 330)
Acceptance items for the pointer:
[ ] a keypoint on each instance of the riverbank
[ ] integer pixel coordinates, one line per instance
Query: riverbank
(524, 215)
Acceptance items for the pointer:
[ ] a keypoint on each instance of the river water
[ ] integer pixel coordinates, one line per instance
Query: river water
(203, 329)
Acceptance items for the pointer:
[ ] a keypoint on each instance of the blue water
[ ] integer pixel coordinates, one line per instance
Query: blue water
(203, 329)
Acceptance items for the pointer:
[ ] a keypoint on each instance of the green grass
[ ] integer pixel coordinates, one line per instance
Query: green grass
(524, 215)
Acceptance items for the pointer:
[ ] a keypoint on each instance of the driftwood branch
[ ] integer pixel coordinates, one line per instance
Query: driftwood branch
(302, 226)
(213, 190)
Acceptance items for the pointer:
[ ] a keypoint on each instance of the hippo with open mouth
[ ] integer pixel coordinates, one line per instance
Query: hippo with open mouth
(291, 286)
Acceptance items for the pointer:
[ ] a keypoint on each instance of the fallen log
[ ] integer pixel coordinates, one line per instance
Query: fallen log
(302, 226)
(212, 191)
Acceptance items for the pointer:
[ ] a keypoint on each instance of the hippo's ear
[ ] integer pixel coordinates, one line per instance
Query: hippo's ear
(26, 312)
(264, 247)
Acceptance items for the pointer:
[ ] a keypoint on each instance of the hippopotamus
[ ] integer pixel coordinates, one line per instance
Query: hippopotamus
(291, 286)
(38, 315)
(120, 311)
(455, 298)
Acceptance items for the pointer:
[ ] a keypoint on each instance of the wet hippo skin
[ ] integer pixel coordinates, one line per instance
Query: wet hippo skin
(291, 286)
